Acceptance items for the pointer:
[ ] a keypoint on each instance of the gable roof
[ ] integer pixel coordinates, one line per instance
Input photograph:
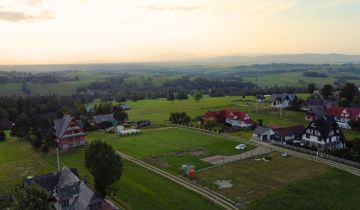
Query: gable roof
(221, 116)
(66, 185)
(283, 97)
(289, 131)
(324, 125)
(104, 118)
(261, 130)
(60, 125)
(344, 112)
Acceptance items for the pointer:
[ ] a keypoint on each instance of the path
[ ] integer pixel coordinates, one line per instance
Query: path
(222, 159)
(210, 195)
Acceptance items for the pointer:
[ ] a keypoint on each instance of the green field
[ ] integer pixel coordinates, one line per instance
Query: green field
(17, 161)
(333, 190)
(253, 179)
(137, 188)
(161, 146)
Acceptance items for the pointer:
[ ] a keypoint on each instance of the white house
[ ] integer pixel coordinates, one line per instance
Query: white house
(262, 133)
(283, 100)
(324, 133)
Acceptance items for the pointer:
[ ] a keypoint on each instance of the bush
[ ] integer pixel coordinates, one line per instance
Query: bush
(2, 135)
(179, 118)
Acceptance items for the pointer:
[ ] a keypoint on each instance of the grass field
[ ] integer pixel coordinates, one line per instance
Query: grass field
(161, 146)
(17, 161)
(253, 179)
(333, 190)
(139, 188)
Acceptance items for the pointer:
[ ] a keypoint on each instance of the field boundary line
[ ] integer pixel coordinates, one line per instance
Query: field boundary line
(216, 198)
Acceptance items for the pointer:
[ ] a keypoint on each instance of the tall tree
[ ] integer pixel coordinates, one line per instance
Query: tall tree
(120, 115)
(31, 197)
(198, 95)
(327, 90)
(104, 164)
(349, 91)
(311, 88)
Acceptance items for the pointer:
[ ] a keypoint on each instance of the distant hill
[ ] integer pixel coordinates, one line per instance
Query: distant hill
(282, 58)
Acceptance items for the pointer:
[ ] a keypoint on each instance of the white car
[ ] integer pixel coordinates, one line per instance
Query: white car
(240, 147)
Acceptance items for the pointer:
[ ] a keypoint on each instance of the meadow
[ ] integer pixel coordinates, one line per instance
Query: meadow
(170, 148)
(331, 190)
(253, 179)
(137, 188)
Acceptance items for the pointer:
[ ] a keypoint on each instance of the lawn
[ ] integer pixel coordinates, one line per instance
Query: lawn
(18, 161)
(139, 188)
(254, 179)
(332, 190)
(162, 146)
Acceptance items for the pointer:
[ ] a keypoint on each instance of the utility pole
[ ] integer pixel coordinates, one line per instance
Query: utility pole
(256, 106)
(58, 158)
(280, 112)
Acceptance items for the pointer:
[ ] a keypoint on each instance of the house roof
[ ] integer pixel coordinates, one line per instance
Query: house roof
(317, 110)
(66, 185)
(289, 131)
(104, 118)
(220, 116)
(324, 125)
(344, 112)
(260, 96)
(261, 130)
(60, 125)
(283, 97)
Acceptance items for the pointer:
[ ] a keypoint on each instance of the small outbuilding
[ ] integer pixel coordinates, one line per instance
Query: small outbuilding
(263, 133)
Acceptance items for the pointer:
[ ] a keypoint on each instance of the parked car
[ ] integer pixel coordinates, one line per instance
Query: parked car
(240, 147)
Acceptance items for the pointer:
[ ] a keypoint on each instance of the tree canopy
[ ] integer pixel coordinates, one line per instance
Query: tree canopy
(104, 164)
(31, 197)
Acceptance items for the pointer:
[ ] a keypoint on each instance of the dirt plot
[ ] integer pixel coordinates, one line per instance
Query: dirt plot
(157, 161)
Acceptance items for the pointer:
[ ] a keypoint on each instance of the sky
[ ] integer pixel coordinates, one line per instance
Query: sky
(93, 31)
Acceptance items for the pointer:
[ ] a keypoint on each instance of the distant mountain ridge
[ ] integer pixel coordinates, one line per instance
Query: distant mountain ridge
(306, 58)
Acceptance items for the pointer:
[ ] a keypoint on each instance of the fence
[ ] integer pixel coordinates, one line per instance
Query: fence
(323, 155)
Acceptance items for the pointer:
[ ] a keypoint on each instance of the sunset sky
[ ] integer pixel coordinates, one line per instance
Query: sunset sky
(90, 31)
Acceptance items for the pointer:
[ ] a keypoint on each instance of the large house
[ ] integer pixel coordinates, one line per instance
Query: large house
(69, 192)
(231, 117)
(259, 98)
(283, 100)
(343, 115)
(318, 102)
(69, 132)
(324, 133)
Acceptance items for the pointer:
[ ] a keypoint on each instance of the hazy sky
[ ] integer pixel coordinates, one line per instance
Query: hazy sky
(89, 31)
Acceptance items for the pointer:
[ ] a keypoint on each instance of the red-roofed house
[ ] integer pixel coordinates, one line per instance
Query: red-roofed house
(343, 115)
(232, 117)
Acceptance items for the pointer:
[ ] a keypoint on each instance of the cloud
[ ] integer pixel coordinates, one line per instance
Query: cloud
(34, 2)
(16, 16)
(171, 7)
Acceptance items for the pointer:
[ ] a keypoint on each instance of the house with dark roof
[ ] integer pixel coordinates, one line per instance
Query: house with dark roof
(317, 102)
(69, 192)
(231, 117)
(69, 132)
(263, 133)
(259, 98)
(324, 133)
(98, 119)
(343, 115)
(283, 100)
(289, 133)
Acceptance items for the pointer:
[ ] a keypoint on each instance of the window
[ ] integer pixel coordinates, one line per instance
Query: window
(65, 203)
(308, 136)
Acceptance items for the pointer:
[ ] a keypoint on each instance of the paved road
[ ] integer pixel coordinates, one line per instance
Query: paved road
(210, 195)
